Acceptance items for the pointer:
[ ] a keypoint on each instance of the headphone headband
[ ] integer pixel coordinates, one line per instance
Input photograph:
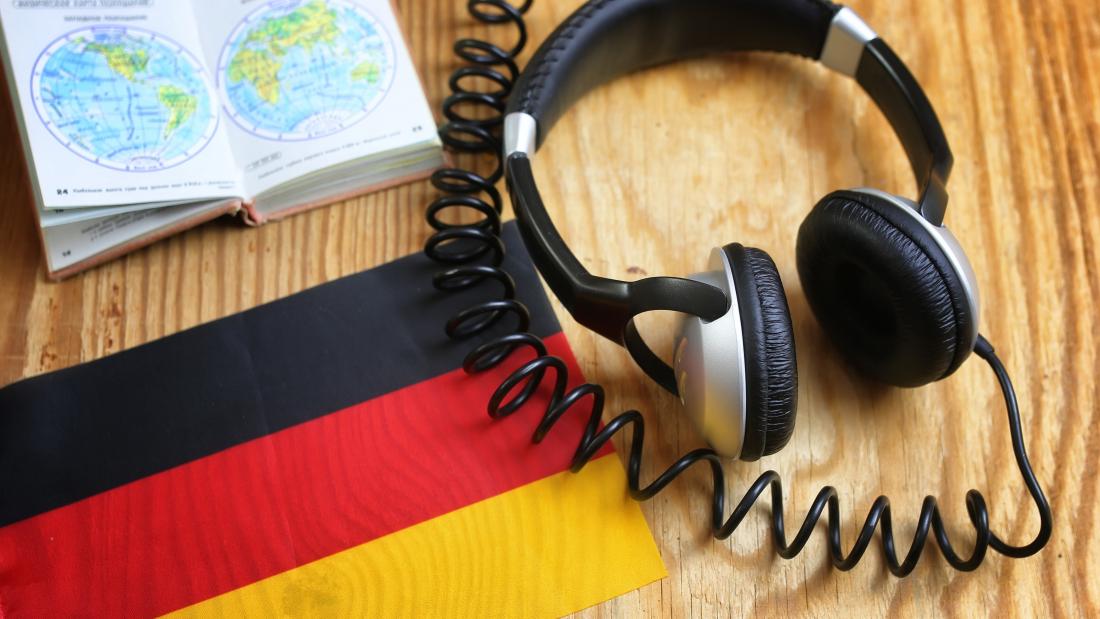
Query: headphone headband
(606, 39)
(609, 38)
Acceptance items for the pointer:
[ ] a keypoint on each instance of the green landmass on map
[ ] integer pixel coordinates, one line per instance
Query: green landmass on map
(367, 70)
(180, 104)
(121, 60)
(305, 26)
(260, 69)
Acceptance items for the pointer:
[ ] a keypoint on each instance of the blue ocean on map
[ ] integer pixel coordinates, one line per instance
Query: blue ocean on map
(303, 69)
(124, 98)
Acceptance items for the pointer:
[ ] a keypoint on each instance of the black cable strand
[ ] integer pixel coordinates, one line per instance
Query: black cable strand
(466, 248)
(460, 246)
(929, 521)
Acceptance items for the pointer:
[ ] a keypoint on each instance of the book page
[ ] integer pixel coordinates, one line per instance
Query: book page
(115, 102)
(311, 84)
(64, 216)
(70, 243)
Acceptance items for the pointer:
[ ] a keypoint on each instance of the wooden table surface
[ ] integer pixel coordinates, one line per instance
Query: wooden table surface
(645, 176)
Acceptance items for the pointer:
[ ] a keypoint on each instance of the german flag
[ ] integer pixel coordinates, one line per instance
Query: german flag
(320, 455)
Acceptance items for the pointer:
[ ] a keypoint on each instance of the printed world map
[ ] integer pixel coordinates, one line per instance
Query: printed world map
(304, 69)
(124, 98)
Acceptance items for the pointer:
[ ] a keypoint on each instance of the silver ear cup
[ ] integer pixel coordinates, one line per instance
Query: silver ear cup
(709, 363)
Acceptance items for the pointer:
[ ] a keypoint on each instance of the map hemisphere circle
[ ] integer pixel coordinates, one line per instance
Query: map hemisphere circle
(295, 70)
(124, 97)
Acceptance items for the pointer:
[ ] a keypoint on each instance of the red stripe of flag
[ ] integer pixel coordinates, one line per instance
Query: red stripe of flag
(275, 503)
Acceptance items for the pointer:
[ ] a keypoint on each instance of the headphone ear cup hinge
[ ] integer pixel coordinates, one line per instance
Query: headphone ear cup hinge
(673, 294)
(649, 362)
(609, 308)
(933, 200)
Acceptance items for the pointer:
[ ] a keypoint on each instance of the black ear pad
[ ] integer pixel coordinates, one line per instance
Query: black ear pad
(771, 371)
(883, 289)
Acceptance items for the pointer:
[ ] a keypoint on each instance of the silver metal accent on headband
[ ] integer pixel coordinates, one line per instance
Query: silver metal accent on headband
(521, 131)
(709, 365)
(950, 247)
(848, 35)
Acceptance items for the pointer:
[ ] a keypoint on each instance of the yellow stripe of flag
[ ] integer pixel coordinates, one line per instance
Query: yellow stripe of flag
(546, 549)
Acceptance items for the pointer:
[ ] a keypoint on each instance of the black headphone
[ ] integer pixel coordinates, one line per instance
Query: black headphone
(885, 279)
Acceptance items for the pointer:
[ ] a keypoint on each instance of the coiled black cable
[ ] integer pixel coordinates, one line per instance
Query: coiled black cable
(473, 254)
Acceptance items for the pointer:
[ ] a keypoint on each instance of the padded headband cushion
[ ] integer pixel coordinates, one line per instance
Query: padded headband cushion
(605, 39)
(771, 371)
(883, 290)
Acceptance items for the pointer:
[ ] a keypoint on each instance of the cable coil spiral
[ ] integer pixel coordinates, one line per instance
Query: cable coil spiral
(473, 253)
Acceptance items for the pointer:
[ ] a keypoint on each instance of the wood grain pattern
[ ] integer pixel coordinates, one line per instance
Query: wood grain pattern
(649, 173)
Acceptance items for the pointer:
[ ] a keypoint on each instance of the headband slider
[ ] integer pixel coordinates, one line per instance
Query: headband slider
(848, 35)
(520, 133)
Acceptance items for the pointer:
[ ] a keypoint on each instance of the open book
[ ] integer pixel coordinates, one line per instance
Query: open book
(143, 117)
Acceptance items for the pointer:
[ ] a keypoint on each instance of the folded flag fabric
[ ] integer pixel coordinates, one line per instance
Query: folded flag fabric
(323, 454)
